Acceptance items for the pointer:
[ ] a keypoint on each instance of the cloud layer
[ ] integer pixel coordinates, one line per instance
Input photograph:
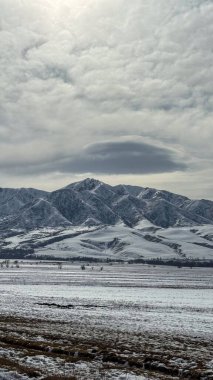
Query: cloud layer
(81, 73)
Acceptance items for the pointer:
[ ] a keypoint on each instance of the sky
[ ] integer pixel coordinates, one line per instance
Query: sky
(117, 90)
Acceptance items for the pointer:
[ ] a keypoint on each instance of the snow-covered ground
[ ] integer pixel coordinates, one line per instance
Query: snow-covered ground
(122, 321)
(121, 242)
(145, 241)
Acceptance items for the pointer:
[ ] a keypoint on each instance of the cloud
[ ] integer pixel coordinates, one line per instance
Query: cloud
(123, 157)
(79, 72)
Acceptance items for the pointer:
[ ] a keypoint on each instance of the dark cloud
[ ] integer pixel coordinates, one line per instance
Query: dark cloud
(112, 157)
(123, 157)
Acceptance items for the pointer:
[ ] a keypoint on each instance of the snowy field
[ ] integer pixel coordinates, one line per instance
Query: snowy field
(121, 321)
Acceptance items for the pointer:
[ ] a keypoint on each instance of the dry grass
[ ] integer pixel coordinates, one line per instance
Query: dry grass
(152, 353)
(15, 366)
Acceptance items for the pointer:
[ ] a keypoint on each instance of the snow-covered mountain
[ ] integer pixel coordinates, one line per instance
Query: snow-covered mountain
(124, 217)
(91, 201)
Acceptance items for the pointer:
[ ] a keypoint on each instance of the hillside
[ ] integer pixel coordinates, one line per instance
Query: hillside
(92, 219)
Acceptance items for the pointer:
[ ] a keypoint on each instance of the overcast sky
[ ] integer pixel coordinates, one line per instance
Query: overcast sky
(118, 90)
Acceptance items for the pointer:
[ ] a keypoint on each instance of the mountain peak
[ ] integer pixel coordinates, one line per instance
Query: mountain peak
(86, 184)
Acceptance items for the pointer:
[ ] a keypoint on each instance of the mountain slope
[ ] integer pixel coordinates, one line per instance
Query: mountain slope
(37, 214)
(12, 200)
(119, 242)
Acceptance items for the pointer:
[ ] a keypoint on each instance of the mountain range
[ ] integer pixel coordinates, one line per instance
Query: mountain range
(89, 206)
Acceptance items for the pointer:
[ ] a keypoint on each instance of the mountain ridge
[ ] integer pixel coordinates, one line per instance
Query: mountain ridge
(91, 201)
